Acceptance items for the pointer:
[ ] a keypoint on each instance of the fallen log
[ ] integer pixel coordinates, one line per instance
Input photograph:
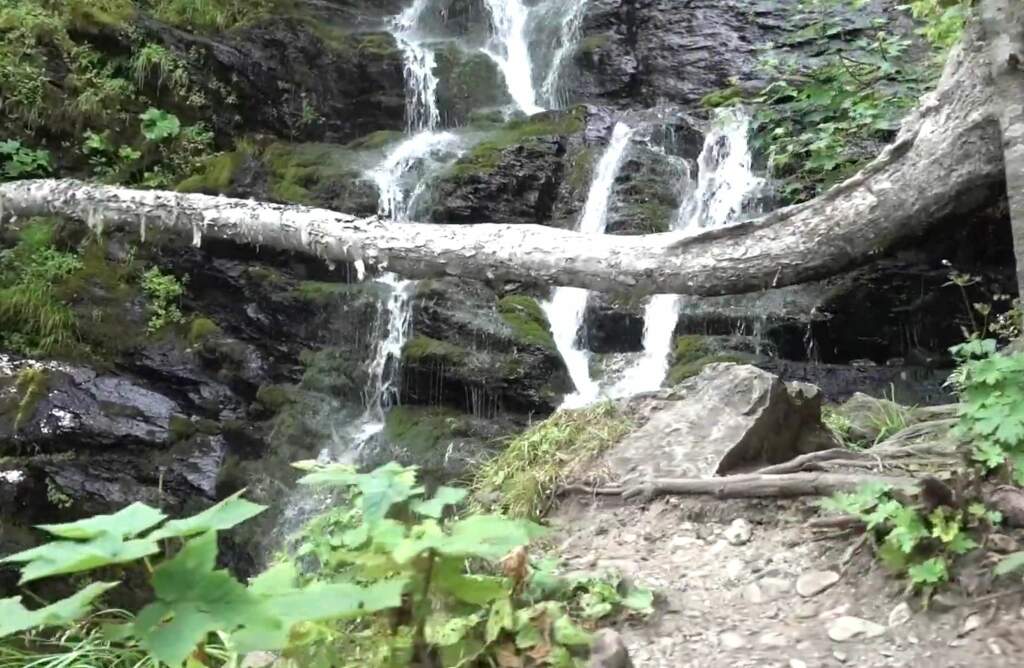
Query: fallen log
(946, 160)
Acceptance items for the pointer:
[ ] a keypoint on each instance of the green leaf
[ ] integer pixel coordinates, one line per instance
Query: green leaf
(639, 599)
(193, 601)
(443, 497)
(228, 513)
(500, 619)
(568, 633)
(473, 589)
(125, 523)
(487, 536)
(1008, 564)
(63, 557)
(443, 630)
(528, 636)
(158, 125)
(931, 571)
(14, 617)
(961, 544)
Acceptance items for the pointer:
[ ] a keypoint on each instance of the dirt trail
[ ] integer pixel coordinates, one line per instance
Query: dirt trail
(731, 600)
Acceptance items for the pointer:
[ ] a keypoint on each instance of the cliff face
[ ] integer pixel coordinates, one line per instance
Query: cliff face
(269, 362)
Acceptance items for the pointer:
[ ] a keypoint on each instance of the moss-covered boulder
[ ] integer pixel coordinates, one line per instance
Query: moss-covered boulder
(691, 354)
(480, 353)
(468, 81)
(649, 191)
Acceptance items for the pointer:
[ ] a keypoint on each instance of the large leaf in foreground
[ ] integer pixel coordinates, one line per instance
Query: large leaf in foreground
(228, 513)
(63, 557)
(127, 522)
(14, 617)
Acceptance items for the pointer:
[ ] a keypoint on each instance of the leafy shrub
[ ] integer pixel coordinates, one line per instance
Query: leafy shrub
(387, 578)
(164, 292)
(920, 545)
(158, 125)
(212, 14)
(19, 162)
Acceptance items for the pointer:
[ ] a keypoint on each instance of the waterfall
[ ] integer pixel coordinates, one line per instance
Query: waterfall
(568, 35)
(510, 50)
(510, 47)
(420, 81)
(725, 182)
(567, 307)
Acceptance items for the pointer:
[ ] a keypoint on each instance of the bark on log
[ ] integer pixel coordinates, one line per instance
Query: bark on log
(756, 485)
(946, 159)
(1003, 21)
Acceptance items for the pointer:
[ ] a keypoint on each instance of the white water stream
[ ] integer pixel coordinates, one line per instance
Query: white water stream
(569, 35)
(725, 183)
(566, 309)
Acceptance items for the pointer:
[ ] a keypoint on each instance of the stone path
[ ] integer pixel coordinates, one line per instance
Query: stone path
(748, 584)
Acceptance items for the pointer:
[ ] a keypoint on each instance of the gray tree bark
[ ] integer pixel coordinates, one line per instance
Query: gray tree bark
(1003, 21)
(946, 159)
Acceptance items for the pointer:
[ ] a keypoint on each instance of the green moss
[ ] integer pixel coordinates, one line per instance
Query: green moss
(420, 430)
(581, 169)
(424, 348)
(208, 427)
(652, 217)
(34, 385)
(216, 176)
(527, 319)
(297, 169)
(722, 98)
(96, 14)
(319, 291)
(681, 371)
(266, 275)
(486, 156)
(378, 44)
(202, 329)
(375, 140)
(181, 428)
(329, 371)
(523, 477)
(591, 44)
(275, 397)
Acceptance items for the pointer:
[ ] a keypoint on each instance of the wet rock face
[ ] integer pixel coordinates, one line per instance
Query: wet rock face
(281, 77)
(479, 353)
(642, 52)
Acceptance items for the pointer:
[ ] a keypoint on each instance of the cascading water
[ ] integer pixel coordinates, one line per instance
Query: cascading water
(420, 81)
(510, 50)
(568, 34)
(725, 183)
(566, 309)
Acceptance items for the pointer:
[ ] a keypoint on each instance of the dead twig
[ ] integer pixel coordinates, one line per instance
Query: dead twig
(758, 485)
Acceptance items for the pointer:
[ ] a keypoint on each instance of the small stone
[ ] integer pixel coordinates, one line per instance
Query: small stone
(773, 639)
(1002, 544)
(900, 615)
(678, 542)
(797, 663)
(834, 613)
(731, 640)
(813, 583)
(739, 532)
(258, 660)
(607, 650)
(846, 628)
(734, 568)
(753, 594)
(775, 587)
(972, 623)
(839, 656)
(806, 610)
(945, 601)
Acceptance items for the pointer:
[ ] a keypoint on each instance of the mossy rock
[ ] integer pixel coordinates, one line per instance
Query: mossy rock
(202, 329)
(590, 45)
(275, 397)
(424, 348)
(527, 320)
(486, 155)
(375, 140)
(467, 81)
(216, 175)
(331, 372)
(692, 353)
(319, 175)
(422, 431)
(181, 428)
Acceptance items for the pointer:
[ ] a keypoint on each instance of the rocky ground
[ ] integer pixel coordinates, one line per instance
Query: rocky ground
(749, 584)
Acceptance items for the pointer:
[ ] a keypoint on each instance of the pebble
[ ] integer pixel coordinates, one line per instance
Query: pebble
(773, 639)
(813, 583)
(731, 640)
(734, 568)
(900, 615)
(797, 663)
(739, 532)
(258, 660)
(1002, 544)
(840, 656)
(846, 628)
(775, 587)
(753, 594)
(972, 623)
(806, 610)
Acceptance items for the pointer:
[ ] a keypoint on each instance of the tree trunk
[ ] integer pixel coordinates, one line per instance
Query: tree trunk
(1003, 21)
(946, 160)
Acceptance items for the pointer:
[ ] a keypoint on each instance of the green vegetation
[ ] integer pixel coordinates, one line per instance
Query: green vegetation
(486, 155)
(919, 543)
(33, 384)
(424, 348)
(527, 319)
(390, 577)
(692, 353)
(19, 162)
(523, 477)
(424, 431)
(164, 292)
(213, 14)
(202, 329)
(275, 397)
(818, 125)
(375, 140)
